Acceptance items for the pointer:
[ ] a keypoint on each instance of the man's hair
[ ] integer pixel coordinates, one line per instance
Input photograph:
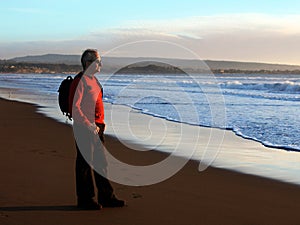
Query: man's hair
(88, 55)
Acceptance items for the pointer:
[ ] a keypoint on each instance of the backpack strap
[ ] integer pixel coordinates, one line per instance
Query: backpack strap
(79, 75)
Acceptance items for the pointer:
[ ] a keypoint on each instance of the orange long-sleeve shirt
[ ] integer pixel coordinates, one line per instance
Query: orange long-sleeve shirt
(87, 105)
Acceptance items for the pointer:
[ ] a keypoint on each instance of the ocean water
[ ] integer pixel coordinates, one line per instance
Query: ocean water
(260, 107)
(168, 113)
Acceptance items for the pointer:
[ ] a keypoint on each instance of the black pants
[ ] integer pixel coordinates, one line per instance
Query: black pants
(86, 176)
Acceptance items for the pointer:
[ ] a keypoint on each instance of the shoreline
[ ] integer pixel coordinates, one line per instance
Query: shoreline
(233, 152)
(38, 187)
(266, 143)
(239, 154)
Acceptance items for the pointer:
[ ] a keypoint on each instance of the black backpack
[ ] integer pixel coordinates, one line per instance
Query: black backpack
(64, 94)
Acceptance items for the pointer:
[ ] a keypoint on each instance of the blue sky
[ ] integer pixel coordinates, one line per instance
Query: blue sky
(265, 31)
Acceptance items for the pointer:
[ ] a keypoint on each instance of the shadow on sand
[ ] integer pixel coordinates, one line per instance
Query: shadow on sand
(41, 208)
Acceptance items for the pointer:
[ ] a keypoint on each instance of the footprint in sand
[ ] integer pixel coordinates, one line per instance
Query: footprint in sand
(136, 195)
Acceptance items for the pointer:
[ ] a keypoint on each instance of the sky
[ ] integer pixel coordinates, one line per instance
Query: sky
(250, 31)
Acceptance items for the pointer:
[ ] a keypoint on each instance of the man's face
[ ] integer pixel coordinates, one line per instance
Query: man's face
(94, 66)
(98, 64)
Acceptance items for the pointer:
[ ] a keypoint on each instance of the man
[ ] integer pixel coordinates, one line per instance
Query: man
(88, 127)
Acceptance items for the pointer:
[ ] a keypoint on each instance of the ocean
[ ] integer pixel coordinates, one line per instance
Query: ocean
(260, 107)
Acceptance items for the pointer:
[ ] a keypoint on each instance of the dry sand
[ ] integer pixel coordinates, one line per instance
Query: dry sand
(38, 184)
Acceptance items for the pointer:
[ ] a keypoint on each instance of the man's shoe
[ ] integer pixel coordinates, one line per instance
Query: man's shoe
(114, 202)
(88, 205)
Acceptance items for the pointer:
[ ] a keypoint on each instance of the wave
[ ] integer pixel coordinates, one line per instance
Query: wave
(269, 144)
(250, 92)
(236, 130)
(283, 87)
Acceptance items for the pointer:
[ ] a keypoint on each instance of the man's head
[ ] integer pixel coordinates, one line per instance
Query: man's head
(91, 57)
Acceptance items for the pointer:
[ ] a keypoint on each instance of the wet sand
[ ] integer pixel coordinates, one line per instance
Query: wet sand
(38, 183)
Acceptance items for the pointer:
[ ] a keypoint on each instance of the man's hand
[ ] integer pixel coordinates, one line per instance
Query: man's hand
(94, 128)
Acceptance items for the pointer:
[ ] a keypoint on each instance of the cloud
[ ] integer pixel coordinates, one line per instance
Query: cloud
(14, 49)
(244, 37)
(228, 23)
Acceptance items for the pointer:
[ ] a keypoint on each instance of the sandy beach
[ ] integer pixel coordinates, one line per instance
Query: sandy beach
(38, 183)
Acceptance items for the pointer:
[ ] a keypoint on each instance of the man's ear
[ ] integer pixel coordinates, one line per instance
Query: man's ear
(87, 64)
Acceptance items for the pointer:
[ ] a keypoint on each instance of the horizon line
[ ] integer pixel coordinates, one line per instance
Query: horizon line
(188, 59)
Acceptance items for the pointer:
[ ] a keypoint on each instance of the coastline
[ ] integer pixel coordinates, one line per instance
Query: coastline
(215, 147)
(38, 184)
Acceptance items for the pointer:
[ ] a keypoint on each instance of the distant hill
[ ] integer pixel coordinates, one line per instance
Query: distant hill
(150, 68)
(114, 64)
(50, 58)
(225, 65)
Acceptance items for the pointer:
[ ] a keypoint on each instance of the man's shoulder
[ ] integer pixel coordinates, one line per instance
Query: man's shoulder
(79, 75)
